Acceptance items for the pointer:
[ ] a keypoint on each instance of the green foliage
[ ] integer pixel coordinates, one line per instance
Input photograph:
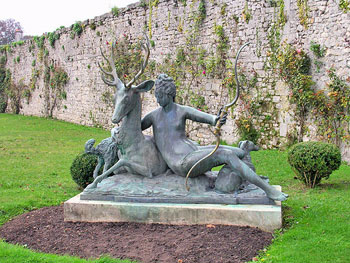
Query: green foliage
(202, 12)
(18, 43)
(198, 102)
(274, 40)
(3, 60)
(143, 3)
(317, 49)
(236, 18)
(34, 78)
(92, 26)
(77, 28)
(18, 59)
(129, 59)
(82, 169)
(15, 92)
(27, 94)
(294, 66)
(312, 161)
(223, 9)
(331, 110)
(344, 5)
(55, 79)
(40, 41)
(183, 2)
(5, 48)
(303, 12)
(31, 47)
(222, 38)
(186, 66)
(282, 19)
(115, 11)
(52, 37)
(5, 82)
(33, 63)
(246, 13)
(318, 65)
(246, 130)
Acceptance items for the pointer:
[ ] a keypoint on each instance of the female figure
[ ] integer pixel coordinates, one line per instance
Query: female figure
(180, 153)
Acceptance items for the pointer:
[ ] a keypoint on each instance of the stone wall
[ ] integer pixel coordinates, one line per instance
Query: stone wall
(169, 22)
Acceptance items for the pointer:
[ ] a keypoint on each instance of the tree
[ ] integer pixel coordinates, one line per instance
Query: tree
(8, 29)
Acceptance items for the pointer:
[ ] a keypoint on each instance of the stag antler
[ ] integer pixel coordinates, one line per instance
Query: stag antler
(144, 64)
(115, 79)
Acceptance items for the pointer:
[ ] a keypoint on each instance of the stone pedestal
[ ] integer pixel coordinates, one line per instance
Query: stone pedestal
(265, 217)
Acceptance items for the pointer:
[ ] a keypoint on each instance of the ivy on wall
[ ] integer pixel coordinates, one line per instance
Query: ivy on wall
(193, 64)
(303, 9)
(55, 79)
(294, 67)
(331, 109)
(5, 81)
(344, 5)
(9, 89)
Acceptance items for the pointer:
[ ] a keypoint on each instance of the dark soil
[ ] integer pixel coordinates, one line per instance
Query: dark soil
(44, 230)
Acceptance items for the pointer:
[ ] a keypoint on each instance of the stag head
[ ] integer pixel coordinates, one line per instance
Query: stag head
(127, 95)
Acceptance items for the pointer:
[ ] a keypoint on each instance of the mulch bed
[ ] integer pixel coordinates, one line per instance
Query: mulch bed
(45, 230)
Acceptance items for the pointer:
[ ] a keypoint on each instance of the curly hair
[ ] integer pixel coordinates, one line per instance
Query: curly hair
(165, 84)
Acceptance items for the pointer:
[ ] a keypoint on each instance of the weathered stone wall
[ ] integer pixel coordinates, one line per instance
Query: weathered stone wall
(170, 22)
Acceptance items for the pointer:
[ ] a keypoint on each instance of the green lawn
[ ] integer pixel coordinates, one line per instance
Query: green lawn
(36, 153)
(35, 157)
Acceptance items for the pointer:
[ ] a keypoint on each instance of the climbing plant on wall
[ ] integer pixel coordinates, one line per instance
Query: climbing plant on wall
(331, 109)
(55, 79)
(303, 9)
(294, 67)
(5, 80)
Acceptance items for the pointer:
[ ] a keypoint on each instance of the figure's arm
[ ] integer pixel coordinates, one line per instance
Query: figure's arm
(146, 121)
(200, 116)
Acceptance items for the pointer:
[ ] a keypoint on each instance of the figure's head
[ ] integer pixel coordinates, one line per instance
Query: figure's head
(248, 146)
(165, 86)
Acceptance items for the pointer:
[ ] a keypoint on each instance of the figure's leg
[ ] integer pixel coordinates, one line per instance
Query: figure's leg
(234, 150)
(99, 178)
(224, 156)
(248, 174)
(100, 162)
(139, 169)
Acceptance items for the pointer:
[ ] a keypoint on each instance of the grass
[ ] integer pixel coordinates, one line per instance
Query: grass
(316, 221)
(36, 153)
(35, 157)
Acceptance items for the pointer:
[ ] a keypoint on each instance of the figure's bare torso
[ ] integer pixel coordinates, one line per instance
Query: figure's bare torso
(169, 132)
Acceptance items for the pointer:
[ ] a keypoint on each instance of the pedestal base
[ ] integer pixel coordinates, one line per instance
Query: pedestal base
(265, 217)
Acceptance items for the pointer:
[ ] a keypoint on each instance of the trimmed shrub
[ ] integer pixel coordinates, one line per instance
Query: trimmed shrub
(312, 161)
(82, 169)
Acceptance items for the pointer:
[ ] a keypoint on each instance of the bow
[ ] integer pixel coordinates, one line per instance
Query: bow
(218, 125)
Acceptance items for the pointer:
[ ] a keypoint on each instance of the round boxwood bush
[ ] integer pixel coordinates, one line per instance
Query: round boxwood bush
(82, 169)
(312, 161)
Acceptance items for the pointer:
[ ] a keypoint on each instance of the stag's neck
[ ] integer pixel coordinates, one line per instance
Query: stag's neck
(131, 125)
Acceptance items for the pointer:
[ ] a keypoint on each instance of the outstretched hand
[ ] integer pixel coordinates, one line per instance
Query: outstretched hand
(223, 119)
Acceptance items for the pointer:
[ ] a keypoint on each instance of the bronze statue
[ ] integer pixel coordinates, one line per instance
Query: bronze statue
(139, 154)
(180, 154)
